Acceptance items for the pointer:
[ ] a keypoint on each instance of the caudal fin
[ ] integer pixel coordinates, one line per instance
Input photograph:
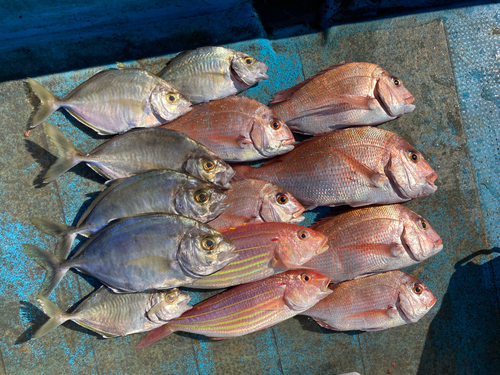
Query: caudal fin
(48, 103)
(69, 155)
(65, 234)
(154, 336)
(51, 263)
(56, 315)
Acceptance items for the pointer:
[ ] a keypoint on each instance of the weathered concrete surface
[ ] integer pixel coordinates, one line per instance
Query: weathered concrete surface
(439, 56)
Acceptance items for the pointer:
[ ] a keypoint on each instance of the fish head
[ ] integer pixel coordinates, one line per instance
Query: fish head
(168, 103)
(279, 205)
(419, 238)
(248, 69)
(305, 288)
(166, 305)
(211, 169)
(201, 201)
(415, 299)
(270, 135)
(296, 245)
(410, 174)
(204, 251)
(392, 94)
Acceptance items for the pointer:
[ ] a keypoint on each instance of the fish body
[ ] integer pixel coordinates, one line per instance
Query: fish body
(249, 307)
(373, 303)
(210, 73)
(236, 129)
(355, 166)
(143, 253)
(372, 240)
(254, 201)
(343, 95)
(140, 151)
(163, 190)
(264, 249)
(116, 100)
(112, 315)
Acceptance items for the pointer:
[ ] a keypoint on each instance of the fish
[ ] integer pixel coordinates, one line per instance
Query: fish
(371, 240)
(353, 166)
(142, 253)
(112, 315)
(256, 201)
(114, 101)
(374, 303)
(343, 95)
(155, 191)
(236, 128)
(264, 249)
(249, 307)
(210, 73)
(139, 151)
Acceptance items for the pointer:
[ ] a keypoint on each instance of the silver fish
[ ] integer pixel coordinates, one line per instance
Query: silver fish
(115, 100)
(140, 151)
(143, 253)
(154, 191)
(112, 315)
(209, 73)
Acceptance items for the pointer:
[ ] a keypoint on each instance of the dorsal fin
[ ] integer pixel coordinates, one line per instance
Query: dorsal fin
(340, 211)
(283, 95)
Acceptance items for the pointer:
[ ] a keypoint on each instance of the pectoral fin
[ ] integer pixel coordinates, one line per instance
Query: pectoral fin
(155, 263)
(274, 305)
(86, 123)
(368, 175)
(324, 325)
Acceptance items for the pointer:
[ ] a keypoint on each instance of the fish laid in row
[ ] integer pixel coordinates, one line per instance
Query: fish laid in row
(256, 201)
(115, 100)
(111, 315)
(236, 129)
(343, 95)
(143, 253)
(374, 303)
(249, 307)
(265, 249)
(209, 73)
(140, 151)
(372, 240)
(355, 166)
(163, 191)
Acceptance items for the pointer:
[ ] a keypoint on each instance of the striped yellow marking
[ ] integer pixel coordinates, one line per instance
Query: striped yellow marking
(225, 307)
(252, 234)
(212, 279)
(251, 248)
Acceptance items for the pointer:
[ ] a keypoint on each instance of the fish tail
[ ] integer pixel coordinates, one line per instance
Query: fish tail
(65, 234)
(154, 336)
(52, 264)
(56, 315)
(69, 155)
(48, 102)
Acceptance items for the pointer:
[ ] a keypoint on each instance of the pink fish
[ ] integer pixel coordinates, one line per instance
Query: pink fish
(236, 128)
(355, 166)
(343, 95)
(265, 249)
(372, 240)
(249, 307)
(374, 303)
(254, 201)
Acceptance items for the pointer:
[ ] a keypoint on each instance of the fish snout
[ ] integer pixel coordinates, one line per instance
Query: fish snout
(432, 177)
(438, 245)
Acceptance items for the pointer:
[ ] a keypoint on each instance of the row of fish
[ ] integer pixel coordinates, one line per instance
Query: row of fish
(168, 211)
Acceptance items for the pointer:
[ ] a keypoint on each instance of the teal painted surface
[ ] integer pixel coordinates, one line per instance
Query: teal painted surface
(449, 61)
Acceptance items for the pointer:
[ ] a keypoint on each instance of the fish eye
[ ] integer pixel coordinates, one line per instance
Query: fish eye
(418, 289)
(275, 124)
(305, 277)
(208, 165)
(303, 234)
(396, 81)
(248, 61)
(170, 298)
(208, 243)
(412, 154)
(282, 198)
(201, 196)
(172, 98)
(423, 224)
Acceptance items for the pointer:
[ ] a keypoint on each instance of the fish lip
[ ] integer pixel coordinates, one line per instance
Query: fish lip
(409, 99)
(288, 141)
(438, 245)
(432, 178)
(297, 219)
(433, 302)
(322, 249)
(325, 288)
(297, 214)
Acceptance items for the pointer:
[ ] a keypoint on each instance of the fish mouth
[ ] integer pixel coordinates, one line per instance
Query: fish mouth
(322, 249)
(433, 302)
(432, 177)
(409, 99)
(324, 288)
(438, 245)
(297, 219)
